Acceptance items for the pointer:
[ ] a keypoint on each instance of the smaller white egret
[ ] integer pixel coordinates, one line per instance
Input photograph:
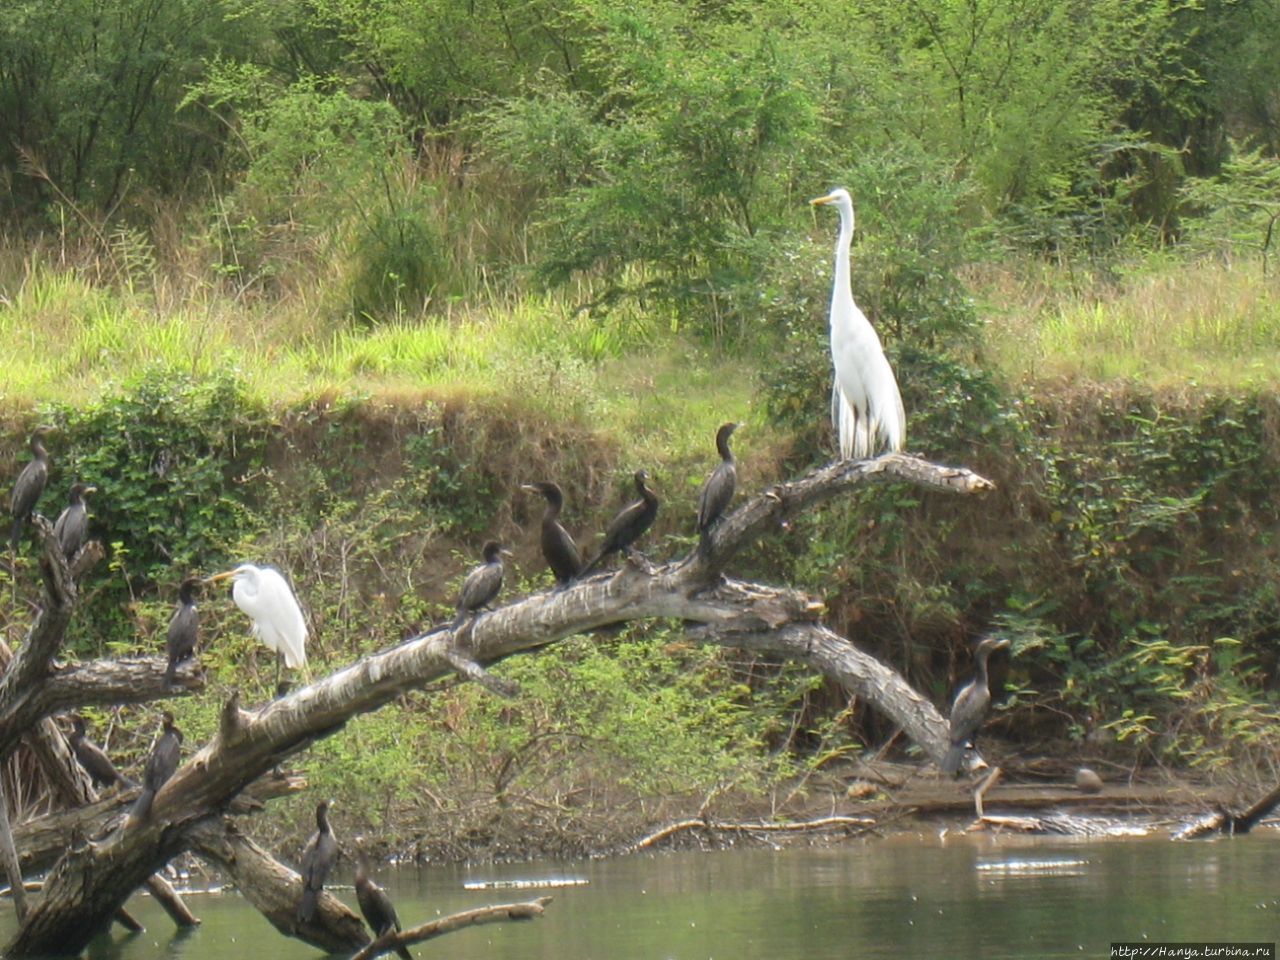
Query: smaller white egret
(866, 407)
(264, 595)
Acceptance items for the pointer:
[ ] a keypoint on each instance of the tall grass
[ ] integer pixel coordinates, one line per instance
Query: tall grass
(1170, 323)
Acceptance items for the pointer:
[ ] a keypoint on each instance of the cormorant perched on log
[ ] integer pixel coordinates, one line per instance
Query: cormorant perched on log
(558, 548)
(93, 758)
(160, 766)
(628, 526)
(718, 491)
(970, 707)
(184, 628)
(379, 912)
(29, 485)
(317, 860)
(482, 583)
(72, 526)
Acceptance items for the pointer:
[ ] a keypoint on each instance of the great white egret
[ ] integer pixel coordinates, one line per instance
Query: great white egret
(379, 912)
(866, 407)
(93, 758)
(72, 526)
(558, 548)
(184, 628)
(317, 860)
(161, 764)
(482, 583)
(629, 525)
(29, 485)
(970, 706)
(718, 491)
(264, 596)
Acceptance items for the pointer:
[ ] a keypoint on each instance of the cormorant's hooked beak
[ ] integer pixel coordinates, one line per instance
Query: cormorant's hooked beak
(90, 489)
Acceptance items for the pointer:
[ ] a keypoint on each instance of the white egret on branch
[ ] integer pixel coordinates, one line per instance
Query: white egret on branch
(866, 408)
(264, 595)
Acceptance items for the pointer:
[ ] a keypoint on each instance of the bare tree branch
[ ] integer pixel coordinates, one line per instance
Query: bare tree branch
(92, 881)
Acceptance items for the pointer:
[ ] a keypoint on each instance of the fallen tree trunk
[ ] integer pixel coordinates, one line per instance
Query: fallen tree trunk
(93, 879)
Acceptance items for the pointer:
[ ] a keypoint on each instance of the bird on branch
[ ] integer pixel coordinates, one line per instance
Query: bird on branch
(379, 912)
(482, 584)
(29, 486)
(263, 594)
(717, 492)
(72, 525)
(558, 548)
(318, 859)
(161, 764)
(184, 628)
(629, 525)
(93, 758)
(866, 407)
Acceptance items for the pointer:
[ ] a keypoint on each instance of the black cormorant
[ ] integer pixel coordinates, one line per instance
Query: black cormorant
(718, 491)
(160, 766)
(482, 583)
(29, 485)
(629, 525)
(317, 860)
(379, 912)
(72, 526)
(970, 707)
(558, 547)
(96, 763)
(184, 628)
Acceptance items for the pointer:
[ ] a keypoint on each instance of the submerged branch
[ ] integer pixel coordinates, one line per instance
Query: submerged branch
(501, 913)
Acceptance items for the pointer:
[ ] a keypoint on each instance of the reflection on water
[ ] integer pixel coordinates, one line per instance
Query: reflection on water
(903, 897)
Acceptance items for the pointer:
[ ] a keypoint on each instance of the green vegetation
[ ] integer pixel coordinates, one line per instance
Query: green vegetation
(320, 283)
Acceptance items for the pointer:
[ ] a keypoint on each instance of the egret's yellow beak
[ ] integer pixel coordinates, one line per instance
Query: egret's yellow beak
(219, 576)
(829, 198)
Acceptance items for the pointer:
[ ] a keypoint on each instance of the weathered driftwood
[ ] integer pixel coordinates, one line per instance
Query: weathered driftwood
(500, 913)
(1224, 821)
(748, 827)
(92, 880)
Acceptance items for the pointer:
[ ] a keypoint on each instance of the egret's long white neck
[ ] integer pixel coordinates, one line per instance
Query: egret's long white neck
(842, 284)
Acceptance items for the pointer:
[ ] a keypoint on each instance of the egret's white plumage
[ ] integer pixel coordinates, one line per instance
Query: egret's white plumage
(866, 407)
(264, 595)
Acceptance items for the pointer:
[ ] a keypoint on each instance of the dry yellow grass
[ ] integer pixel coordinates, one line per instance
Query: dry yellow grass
(1209, 322)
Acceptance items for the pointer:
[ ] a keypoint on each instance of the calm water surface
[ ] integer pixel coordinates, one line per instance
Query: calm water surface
(908, 896)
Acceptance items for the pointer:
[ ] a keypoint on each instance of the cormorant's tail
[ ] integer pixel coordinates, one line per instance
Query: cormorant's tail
(169, 672)
(142, 806)
(15, 533)
(307, 905)
(591, 565)
(951, 762)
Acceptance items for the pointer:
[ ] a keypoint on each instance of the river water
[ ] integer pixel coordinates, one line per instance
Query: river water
(907, 896)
